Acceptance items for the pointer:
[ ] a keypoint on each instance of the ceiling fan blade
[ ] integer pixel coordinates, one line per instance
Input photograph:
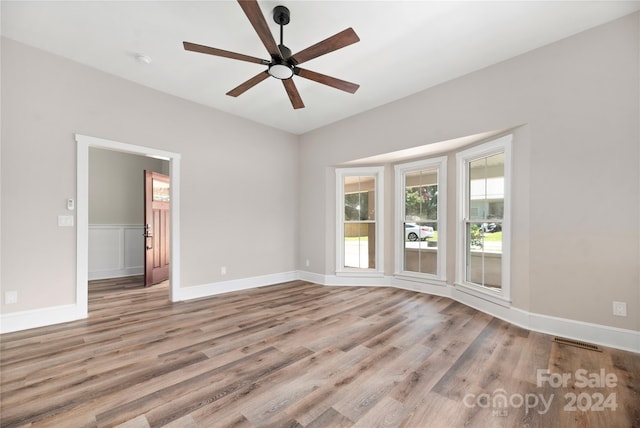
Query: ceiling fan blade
(253, 12)
(294, 95)
(193, 47)
(343, 85)
(335, 42)
(243, 87)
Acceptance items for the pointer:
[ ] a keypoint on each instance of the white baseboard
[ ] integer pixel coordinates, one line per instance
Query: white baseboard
(627, 340)
(620, 338)
(624, 339)
(24, 320)
(118, 273)
(206, 290)
(316, 278)
(436, 288)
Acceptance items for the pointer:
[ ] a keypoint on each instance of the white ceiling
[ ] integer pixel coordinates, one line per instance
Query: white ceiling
(405, 46)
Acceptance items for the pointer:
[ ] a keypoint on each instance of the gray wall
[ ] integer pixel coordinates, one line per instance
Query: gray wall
(226, 161)
(116, 186)
(576, 182)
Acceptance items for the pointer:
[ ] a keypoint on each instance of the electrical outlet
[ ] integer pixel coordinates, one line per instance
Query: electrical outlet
(308, 263)
(223, 270)
(620, 309)
(10, 297)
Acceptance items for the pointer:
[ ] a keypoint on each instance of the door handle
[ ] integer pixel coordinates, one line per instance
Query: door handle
(147, 234)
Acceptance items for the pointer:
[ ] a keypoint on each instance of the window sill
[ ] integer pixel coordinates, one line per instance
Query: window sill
(481, 293)
(360, 273)
(422, 278)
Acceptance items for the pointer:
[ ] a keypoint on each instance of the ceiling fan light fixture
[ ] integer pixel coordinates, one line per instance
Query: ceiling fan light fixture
(281, 71)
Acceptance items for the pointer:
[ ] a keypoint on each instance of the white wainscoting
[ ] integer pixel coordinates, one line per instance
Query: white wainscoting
(115, 250)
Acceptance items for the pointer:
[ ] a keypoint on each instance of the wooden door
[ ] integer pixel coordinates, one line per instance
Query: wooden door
(156, 227)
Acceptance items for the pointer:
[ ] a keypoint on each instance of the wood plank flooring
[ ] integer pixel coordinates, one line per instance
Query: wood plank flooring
(302, 355)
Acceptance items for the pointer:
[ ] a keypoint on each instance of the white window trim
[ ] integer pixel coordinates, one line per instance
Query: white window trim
(378, 173)
(400, 171)
(502, 144)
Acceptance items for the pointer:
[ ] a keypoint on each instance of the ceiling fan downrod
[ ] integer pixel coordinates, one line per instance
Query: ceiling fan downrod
(282, 17)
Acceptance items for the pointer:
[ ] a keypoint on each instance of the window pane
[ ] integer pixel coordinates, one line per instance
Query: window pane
(484, 256)
(421, 195)
(359, 245)
(356, 206)
(421, 248)
(160, 190)
(359, 198)
(486, 188)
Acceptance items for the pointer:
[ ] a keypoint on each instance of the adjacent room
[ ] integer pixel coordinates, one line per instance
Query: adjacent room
(320, 214)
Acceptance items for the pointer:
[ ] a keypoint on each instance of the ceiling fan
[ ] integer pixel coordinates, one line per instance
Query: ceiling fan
(283, 65)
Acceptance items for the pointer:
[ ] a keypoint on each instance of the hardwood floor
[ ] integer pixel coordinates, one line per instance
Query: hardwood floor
(303, 355)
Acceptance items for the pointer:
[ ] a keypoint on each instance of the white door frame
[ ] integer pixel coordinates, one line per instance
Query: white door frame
(82, 214)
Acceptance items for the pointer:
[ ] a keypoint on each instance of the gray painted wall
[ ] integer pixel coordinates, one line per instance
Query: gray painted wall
(116, 193)
(226, 161)
(576, 183)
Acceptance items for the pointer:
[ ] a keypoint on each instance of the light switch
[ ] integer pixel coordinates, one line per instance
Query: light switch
(71, 205)
(10, 297)
(65, 220)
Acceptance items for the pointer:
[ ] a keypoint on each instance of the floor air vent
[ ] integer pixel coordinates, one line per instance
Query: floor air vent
(577, 344)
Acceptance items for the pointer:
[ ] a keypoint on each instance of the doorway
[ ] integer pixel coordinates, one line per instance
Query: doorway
(83, 144)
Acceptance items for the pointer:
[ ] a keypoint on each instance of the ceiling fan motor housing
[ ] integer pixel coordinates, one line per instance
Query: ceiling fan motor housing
(285, 51)
(281, 15)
